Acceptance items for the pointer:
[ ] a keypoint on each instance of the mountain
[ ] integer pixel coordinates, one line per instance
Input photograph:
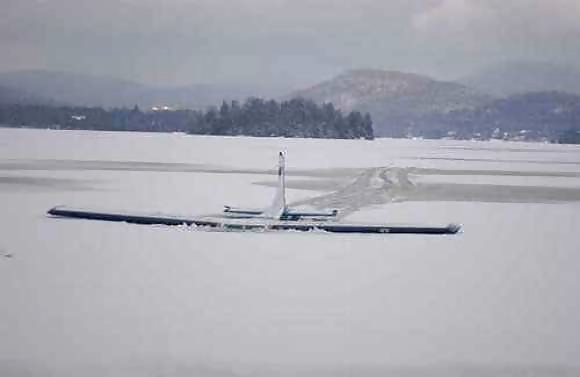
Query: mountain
(86, 90)
(395, 100)
(525, 76)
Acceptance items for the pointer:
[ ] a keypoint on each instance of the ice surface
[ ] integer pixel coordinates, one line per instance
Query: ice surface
(82, 298)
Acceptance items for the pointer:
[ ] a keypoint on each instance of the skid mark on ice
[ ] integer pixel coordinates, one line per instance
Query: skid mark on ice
(373, 187)
(380, 186)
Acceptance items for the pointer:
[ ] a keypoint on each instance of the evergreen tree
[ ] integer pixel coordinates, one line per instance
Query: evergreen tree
(368, 132)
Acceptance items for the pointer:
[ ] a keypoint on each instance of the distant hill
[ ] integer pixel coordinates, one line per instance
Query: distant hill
(86, 90)
(9, 96)
(525, 76)
(357, 87)
(529, 116)
(404, 105)
(73, 89)
(394, 99)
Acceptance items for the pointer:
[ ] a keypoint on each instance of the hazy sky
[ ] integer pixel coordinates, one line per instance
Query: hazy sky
(289, 42)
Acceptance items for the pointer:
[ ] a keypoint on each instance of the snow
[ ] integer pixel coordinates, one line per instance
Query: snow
(95, 298)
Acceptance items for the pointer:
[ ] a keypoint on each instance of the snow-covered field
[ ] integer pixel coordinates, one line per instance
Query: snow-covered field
(82, 298)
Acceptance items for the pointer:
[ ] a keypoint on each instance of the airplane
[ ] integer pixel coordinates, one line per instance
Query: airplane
(279, 210)
(278, 216)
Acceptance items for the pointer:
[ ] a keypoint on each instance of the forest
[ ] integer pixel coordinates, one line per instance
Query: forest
(297, 117)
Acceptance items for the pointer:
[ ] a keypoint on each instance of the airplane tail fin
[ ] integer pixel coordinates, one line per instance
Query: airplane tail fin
(278, 206)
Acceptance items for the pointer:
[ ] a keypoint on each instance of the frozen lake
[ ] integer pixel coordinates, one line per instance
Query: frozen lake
(82, 298)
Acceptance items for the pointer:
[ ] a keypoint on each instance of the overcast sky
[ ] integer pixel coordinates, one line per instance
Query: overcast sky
(281, 42)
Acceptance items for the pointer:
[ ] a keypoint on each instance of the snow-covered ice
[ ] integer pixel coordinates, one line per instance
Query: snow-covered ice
(106, 299)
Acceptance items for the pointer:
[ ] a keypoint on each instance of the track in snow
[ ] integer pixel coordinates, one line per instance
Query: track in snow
(384, 185)
(375, 186)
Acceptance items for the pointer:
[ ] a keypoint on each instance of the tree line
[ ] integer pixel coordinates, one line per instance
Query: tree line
(552, 116)
(255, 117)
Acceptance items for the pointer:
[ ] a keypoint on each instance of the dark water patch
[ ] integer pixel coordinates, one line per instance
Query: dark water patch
(503, 173)
(71, 165)
(522, 150)
(18, 183)
(87, 165)
(545, 162)
(489, 193)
